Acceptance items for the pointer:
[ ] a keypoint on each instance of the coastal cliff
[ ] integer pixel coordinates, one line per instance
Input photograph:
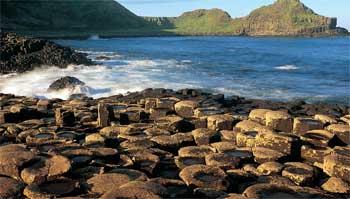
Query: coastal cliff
(108, 18)
(283, 18)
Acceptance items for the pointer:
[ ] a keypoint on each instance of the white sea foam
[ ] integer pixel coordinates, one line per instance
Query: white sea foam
(287, 67)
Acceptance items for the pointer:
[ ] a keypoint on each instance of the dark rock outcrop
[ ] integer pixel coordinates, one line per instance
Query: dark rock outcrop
(65, 82)
(21, 54)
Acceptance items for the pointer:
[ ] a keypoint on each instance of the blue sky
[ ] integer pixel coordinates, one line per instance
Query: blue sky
(236, 8)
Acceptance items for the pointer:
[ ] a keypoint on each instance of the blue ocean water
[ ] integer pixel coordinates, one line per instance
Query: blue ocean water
(313, 69)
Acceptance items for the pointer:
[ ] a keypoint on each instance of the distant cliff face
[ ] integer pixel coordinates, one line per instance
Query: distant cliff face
(75, 18)
(287, 17)
(283, 18)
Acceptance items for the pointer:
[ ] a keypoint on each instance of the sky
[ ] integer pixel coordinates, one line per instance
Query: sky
(236, 8)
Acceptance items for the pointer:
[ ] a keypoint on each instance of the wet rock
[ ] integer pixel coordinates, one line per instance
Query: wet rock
(7, 117)
(302, 125)
(66, 82)
(51, 189)
(300, 173)
(336, 185)
(133, 114)
(220, 122)
(205, 177)
(279, 120)
(342, 131)
(12, 159)
(204, 136)
(21, 54)
(186, 108)
(10, 188)
(262, 155)
(48, 168)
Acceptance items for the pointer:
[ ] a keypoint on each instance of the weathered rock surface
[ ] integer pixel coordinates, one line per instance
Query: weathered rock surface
(21, 54)
(48, 151)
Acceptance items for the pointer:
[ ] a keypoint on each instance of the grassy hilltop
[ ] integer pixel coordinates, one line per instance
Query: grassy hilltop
(71, 18)
(83, 18)
(284, 18)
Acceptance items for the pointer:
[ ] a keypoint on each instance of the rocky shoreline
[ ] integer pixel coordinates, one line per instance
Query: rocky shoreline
(20, 54)
(160, 143)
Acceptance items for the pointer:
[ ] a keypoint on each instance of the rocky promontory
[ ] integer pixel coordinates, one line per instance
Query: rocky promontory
(160, 143)
(20, 54)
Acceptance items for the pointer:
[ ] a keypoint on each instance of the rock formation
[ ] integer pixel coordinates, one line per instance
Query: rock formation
(21, 54)
(160, 143)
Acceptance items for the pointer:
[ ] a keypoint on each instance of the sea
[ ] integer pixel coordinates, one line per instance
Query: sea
(316, 70)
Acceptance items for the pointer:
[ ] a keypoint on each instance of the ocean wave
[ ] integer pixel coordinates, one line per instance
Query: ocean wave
(287, 67)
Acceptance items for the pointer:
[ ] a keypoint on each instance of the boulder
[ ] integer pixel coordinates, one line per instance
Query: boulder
(66, 82)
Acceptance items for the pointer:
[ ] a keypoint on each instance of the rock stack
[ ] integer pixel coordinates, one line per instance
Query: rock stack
(161, 143)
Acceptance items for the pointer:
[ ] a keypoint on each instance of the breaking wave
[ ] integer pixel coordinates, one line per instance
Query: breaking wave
(287, 67)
